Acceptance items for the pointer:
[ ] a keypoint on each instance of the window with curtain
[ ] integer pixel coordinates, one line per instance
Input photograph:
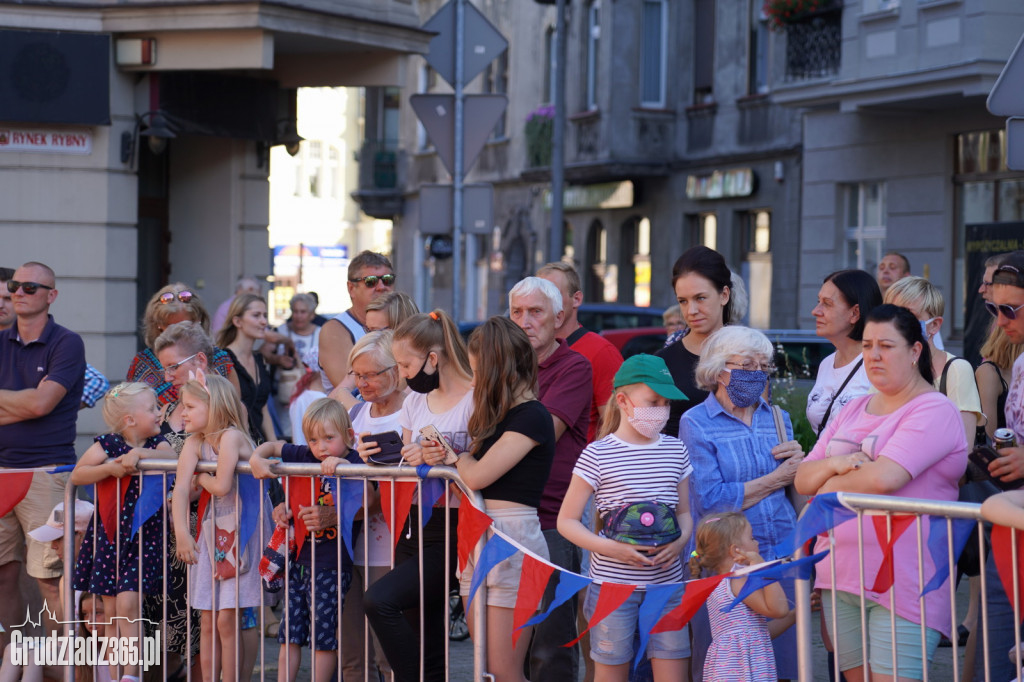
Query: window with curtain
(652, 55)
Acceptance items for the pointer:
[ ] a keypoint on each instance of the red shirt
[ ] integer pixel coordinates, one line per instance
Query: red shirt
(605, 361)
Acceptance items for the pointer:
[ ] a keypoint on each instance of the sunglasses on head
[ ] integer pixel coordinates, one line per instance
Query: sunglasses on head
(28, 287)
(371, 280)
(1007, 311)
(183, 296)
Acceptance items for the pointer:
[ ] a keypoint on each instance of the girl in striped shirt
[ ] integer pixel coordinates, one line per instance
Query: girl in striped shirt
(630, 463)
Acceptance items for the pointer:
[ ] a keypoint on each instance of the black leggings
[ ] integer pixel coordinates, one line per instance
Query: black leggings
(392, 603)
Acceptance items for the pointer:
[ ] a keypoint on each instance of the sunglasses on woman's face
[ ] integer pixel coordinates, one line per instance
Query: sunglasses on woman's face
(183, 296)
(370, 281)
(1007, 311)
(29, 288)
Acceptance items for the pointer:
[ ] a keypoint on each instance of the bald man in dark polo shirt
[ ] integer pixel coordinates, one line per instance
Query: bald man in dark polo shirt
(42, 366)
(564, 386)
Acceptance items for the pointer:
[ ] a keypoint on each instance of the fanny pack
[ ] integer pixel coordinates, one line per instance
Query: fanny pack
(642, 523)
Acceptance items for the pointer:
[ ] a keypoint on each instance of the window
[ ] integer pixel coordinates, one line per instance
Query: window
(756, 268)
(550, 60)
(758, 232)
(709, 230)
(757, 67)
(315, 150)
(704, 51)
(496, 82)
(593, 43)
(642, 264)
(422, 86)
(864, 223)
(653, 48)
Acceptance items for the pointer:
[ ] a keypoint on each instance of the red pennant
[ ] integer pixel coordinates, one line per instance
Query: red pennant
(15, 488)
(403, 492)
(109, 499)
(696, 594)
(204, 500)
(887, 571)
(611, 597)
(1002, 553)
(472, 524)
(533, 579)
(300, 494)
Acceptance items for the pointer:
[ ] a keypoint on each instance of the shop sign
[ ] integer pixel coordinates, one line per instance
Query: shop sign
(738, 182)
(47, 141)
(598, 196)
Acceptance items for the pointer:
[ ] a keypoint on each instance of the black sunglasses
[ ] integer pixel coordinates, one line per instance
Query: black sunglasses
(1007, 311)
(184, 296)
(28, 287)
(371, 280)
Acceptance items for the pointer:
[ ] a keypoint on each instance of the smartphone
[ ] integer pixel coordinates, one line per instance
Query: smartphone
(430, 432)
(390, 444)
(982, 456)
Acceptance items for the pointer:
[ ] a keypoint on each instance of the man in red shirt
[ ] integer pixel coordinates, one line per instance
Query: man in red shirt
(603, 356)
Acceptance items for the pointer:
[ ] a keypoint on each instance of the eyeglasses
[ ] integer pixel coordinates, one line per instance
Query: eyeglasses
(176, 366)
(370, 281)
(183, 296)
(28, 287)
(752, 366)
(1007, 311)
(370, 375)
(986, 284)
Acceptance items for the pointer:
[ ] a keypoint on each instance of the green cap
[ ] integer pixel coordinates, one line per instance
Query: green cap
(650, 370)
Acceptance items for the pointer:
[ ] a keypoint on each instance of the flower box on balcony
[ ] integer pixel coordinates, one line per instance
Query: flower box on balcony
(540, 126)
(782, 13)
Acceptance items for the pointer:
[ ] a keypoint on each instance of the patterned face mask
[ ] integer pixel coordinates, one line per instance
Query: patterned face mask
(649, 421)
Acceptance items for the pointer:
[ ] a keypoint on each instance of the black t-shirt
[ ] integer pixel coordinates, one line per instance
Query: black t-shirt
(524, 482)
(681, 364)
(255, 393)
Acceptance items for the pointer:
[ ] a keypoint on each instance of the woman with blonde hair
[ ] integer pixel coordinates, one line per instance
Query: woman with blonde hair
(247, 323)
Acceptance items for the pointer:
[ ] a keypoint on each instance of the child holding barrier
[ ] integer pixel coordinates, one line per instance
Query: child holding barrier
(314, 578)
(109, 561)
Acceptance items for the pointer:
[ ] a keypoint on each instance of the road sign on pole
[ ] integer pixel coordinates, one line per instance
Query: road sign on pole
(482, 45)
(437, 208)
(1007, 96)
(437, 113)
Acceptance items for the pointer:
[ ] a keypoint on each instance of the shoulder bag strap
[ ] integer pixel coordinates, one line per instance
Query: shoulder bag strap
(831, 403)
(945, 371)
(780, 423)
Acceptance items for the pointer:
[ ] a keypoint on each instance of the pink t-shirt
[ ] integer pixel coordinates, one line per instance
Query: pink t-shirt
(926, 438)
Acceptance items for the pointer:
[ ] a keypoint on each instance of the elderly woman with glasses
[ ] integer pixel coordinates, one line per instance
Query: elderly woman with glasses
(173, 303)
(739, 463)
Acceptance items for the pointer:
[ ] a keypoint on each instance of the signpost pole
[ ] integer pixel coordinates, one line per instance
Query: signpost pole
(556, 238)
(458, 170)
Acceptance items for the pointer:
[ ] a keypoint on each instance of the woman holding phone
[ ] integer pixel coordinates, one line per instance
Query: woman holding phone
(431, 357)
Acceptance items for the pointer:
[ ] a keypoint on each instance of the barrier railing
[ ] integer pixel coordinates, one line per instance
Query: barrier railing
(288, 472)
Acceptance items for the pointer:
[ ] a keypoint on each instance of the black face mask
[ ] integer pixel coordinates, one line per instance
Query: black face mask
(423, 382)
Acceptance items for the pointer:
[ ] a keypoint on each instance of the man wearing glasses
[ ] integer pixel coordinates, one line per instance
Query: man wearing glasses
(42, 366)
(369, 275)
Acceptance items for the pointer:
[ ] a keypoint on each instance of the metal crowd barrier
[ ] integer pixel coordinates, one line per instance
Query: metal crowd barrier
(366, 473)
(868, 505)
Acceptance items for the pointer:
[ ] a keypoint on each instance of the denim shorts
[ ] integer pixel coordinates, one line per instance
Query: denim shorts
(850, 648)
(503, 580)
(611, 640)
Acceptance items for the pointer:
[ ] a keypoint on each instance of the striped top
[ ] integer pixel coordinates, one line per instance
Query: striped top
(621, 474)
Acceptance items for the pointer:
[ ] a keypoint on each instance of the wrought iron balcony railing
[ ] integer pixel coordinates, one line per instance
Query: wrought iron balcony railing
(813, 46)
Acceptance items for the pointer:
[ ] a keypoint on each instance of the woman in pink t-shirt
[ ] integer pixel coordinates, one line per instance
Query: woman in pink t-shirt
(905, 440)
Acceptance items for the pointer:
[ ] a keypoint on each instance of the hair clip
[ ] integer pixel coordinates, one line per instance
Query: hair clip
(434, 315)
(712, 520)
(694, 555)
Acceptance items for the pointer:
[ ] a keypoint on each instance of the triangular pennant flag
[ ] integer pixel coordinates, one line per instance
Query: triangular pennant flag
(204, 501)
(63, 469)
(110, 499)
(696, 594)
(15, 488)
(610, 597)
(789, 570)
(472, 524)
(938, 547)
(431, 491)
(533, 580)
(152, 493)
(300, 494)
(887, 571)
(350, 502)
(823, 513)
(1002, 554)
(495, 551)
(402, 492)
(650, 612)
(249, 498)
(568, 585)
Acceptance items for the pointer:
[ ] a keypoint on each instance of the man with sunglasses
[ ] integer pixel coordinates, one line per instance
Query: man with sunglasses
(7, 316)
(369, 275)
(42, 369)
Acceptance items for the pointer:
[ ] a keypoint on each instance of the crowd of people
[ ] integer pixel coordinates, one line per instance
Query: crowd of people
(641, 471)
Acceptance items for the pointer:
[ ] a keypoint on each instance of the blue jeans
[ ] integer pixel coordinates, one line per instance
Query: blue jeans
(549, 660)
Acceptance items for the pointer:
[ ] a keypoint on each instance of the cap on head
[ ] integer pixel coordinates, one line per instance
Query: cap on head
(1011, 271)
(650, 370)
(54, 526)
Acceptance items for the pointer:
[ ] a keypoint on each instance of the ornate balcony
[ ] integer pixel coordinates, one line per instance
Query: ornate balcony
(381, 179)
(813, 45)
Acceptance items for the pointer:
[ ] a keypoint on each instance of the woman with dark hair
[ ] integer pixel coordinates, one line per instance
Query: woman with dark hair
(704, 288)
(844, 300)
(905, 440)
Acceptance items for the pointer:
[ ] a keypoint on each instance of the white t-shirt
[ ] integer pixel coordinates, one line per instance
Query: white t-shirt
(828, 382)
(415, 414)
(961, 386)
(297, 411)
(376, 529)
(302, 343)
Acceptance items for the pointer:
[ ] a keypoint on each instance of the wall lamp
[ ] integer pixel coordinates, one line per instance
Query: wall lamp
(288, 135)
(157, 133)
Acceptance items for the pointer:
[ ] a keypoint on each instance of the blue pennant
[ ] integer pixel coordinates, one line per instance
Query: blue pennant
(62, 469)
(152, 493)
(823, 513)
(250, 499)
(568, 584)
(431, 489)
(791, 570)
(937, 547)
(494, 552)
(349, 503)
(655, 599)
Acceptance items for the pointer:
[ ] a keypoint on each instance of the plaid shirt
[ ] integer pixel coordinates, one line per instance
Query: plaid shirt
(95, 387)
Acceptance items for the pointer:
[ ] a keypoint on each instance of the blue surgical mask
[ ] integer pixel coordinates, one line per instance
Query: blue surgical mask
(924, 327)
(746, 386)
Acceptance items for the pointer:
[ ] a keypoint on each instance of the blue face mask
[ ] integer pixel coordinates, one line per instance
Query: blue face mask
(746, 386)
(924, 327)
